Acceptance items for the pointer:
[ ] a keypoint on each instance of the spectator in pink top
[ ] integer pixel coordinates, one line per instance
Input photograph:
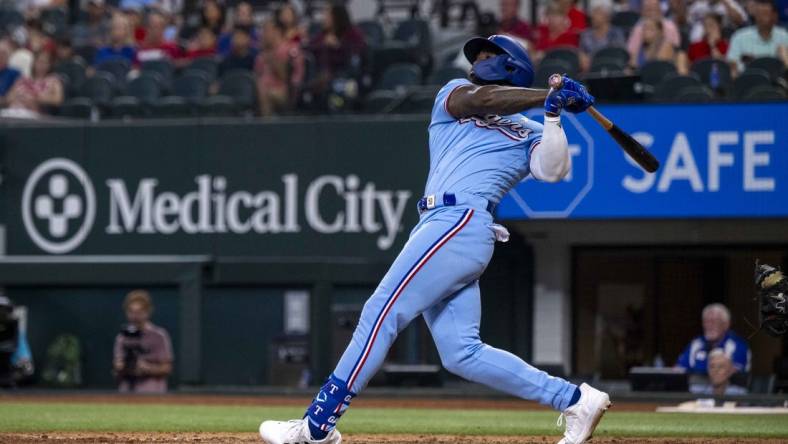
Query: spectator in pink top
(651, 10)
(280, 70)
(30, 96)
(142, 358)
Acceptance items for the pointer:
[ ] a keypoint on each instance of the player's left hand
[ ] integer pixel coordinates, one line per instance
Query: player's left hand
(572, 96)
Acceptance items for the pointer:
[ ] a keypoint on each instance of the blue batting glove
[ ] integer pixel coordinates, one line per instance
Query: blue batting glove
(577, 97)
(554, 103)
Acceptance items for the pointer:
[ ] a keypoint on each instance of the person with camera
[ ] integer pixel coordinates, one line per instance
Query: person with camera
(143, 351)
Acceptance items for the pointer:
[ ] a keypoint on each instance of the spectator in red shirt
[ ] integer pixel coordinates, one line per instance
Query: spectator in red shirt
(203, 44)
(555, 32)
(511, 23)
(155, 47)
(279, 69)
(713, 44)
(577, 18)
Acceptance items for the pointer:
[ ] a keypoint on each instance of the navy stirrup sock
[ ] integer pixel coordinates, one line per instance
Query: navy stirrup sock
(575, 397)
(328, 406)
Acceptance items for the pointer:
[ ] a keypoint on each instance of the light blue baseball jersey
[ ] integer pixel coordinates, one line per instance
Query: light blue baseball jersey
(481, 155)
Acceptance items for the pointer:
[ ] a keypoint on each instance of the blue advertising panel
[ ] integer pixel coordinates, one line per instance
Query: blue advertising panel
(721, 160)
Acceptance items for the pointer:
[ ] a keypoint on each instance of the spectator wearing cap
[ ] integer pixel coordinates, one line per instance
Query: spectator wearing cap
(93, 29)
(555, 31)
(720, 369)
(30, 97)
(731, 13)
(651, 11)
(287, 19)
(764, 38)
(142, 355)
(243, 16)
(716, 334)
(242, 55)
(511, 23)
(155, 46)
(121, 42)
(602, 33)
(8, 75)
(279, 69)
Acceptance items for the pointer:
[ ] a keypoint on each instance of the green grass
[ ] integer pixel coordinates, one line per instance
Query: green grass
(49, 417)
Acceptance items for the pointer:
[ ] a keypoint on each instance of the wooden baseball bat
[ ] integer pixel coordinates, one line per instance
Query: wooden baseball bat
(632, 147)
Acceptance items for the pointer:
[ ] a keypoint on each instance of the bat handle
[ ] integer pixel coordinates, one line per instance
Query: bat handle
(599, 117)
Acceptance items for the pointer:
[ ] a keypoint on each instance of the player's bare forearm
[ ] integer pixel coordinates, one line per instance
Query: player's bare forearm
(471, 100)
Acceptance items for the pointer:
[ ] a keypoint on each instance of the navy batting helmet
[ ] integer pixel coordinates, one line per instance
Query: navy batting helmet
(511, 66)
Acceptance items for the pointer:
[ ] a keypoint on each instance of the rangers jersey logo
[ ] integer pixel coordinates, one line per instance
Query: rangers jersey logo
(513, 129)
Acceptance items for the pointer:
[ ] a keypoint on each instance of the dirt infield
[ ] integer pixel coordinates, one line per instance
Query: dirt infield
(30, 438)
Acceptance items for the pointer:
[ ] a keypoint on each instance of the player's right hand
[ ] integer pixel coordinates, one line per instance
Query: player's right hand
(572, 96)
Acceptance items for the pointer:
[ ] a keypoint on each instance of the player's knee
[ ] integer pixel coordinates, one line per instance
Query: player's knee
(459, 357)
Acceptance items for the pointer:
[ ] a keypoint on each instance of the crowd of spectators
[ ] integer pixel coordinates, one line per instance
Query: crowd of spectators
(294, 61)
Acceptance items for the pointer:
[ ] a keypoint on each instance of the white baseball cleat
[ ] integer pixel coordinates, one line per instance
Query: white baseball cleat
(294, 432)
(583, 417)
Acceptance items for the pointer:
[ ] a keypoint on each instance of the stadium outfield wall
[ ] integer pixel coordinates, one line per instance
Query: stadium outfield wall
(212, 214)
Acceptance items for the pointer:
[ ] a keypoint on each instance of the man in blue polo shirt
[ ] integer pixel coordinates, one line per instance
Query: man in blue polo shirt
(8, 75)
(716, 334)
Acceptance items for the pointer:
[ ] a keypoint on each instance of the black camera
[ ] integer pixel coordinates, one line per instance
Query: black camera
(132, 349)
(8, 340)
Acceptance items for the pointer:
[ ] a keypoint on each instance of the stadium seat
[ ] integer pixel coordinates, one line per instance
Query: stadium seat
(413, 32)
(192, 85)
(218, 106)
(668, 88)
(763, 93)
(74, 70)
(442, 75)
(548, 68)
(611, 53)
(54, 21)
(702, 68)
(240, 85)
(656, 71)
(750, 78)
(373, 32)
(604, 65)
(207, 65)
(99, 88)
(568, 55)
(400, 75)
(625, 20)
(381, 101)
(125, 107)
(773, 66)
(171, 107)
(118, 67)
(79, 108)
(163, 67)
(419, 100)
(147, 87)
(694, 94)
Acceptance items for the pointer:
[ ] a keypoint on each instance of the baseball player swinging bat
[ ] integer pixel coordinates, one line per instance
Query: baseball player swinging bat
(635, 150)
(481, 145)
